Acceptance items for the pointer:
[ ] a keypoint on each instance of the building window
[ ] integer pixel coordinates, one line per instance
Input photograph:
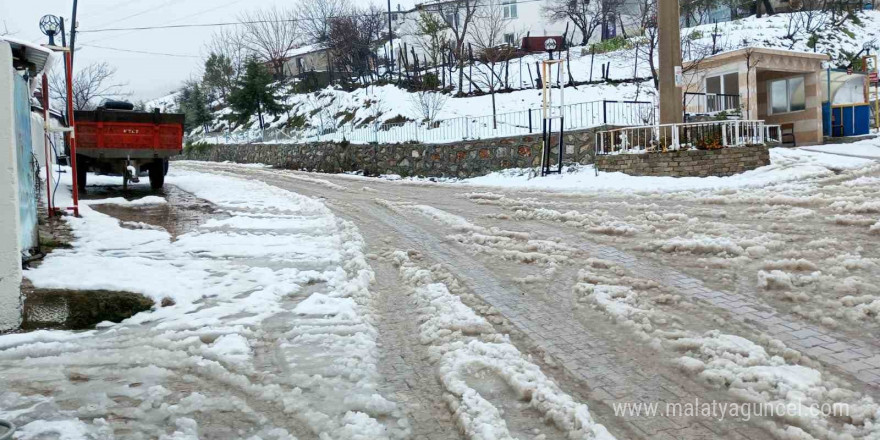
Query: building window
(787, 95)
(451, 18)
(508, 7)
(509, 39)
(727, 84)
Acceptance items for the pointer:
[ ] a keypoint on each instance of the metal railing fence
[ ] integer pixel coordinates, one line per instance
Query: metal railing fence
(576, 116)
(707, 103)
(672, 137)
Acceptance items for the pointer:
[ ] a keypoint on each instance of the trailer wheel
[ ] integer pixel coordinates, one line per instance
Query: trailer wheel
(157, 174)
(82, 171)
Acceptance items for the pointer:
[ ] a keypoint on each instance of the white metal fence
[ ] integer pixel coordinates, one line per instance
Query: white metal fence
(672, 137)
(575, 117)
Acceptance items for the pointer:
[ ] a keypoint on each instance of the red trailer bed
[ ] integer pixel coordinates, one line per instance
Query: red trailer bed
(127, 142)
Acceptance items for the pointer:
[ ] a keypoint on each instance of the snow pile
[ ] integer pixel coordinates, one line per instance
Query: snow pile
(466, 344)
(268, 328)
(785, 166)
(506, 244)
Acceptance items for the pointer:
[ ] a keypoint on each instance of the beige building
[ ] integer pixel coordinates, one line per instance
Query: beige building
(778, 86)
(310, 58)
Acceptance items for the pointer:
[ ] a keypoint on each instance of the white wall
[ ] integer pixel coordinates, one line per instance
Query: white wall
(10, 254)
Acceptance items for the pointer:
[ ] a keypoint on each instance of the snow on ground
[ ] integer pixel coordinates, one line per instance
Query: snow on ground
(467, 347)
(867, 148)
(785, 165)
(269, 328)
(809, 403)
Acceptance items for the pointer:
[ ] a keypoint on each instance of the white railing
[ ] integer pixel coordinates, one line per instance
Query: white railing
(671, 137)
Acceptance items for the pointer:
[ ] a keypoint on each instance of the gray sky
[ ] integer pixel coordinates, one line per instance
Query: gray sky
(148, 76)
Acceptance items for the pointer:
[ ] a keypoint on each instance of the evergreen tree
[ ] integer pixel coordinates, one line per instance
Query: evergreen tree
(252, 94)
(194, 104)
(219, 75)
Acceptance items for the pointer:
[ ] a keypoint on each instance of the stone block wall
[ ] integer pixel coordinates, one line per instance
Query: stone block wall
(460, 159)
(690, 163)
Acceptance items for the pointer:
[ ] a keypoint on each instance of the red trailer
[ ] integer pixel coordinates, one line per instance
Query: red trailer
(115, 139)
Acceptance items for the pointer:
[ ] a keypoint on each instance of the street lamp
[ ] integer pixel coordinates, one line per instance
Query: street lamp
(50, 26)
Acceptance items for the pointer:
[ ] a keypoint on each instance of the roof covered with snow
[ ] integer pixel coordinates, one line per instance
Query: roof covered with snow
(29, 55)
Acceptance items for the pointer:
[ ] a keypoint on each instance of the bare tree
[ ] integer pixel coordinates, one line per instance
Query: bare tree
(349, 43)
(91, 84)
(646, 46)
(458, 15)
(315, 18)
(585, 14)
(428, 104)
(229, 42)
(751, 63)
(373, 21)
(487, 33)
(271, 34)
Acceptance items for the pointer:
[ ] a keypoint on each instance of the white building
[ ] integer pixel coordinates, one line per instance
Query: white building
(21, 66)
(523, 17)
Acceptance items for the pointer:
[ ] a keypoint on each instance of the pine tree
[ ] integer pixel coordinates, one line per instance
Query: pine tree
(219, 75)
(194, 104)
(252, 94)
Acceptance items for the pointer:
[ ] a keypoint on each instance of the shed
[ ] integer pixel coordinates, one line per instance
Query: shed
(778, 86)
(846, 108)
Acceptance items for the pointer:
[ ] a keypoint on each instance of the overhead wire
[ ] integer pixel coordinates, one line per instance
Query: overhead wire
(239, 23)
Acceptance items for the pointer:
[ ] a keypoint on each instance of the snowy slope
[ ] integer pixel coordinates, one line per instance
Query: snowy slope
(333, 108)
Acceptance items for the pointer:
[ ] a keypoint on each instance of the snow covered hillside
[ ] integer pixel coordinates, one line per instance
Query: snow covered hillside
(628, 76)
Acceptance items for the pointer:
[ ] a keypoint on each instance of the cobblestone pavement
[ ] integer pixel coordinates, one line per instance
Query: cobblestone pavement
(583, 350)
(859, 358)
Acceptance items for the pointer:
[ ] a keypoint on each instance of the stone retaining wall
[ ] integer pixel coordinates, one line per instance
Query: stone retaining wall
(463, 159)
(690, 163)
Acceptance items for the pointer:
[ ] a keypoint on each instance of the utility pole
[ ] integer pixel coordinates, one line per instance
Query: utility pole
(670, 61)
(390, 44)
(73, 33)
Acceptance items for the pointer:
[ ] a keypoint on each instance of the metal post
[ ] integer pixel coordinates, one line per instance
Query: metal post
(73, 34)
(45, 103)
(830, 110)
(390, 43)
(68, 56)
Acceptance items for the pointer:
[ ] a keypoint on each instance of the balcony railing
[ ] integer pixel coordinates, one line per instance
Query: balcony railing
(710, 103)
(672, 137)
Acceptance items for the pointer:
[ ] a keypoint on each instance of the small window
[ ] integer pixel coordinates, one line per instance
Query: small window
(509, 39)
(713, 84)
(787, 95)
(451, 18)
(731, 84)
(508, 8)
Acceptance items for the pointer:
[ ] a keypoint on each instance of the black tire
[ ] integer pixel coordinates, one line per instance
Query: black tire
(82, 171)
(157, 174)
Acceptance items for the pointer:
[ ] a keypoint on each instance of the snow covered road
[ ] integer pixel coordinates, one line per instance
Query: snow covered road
(333, 306)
